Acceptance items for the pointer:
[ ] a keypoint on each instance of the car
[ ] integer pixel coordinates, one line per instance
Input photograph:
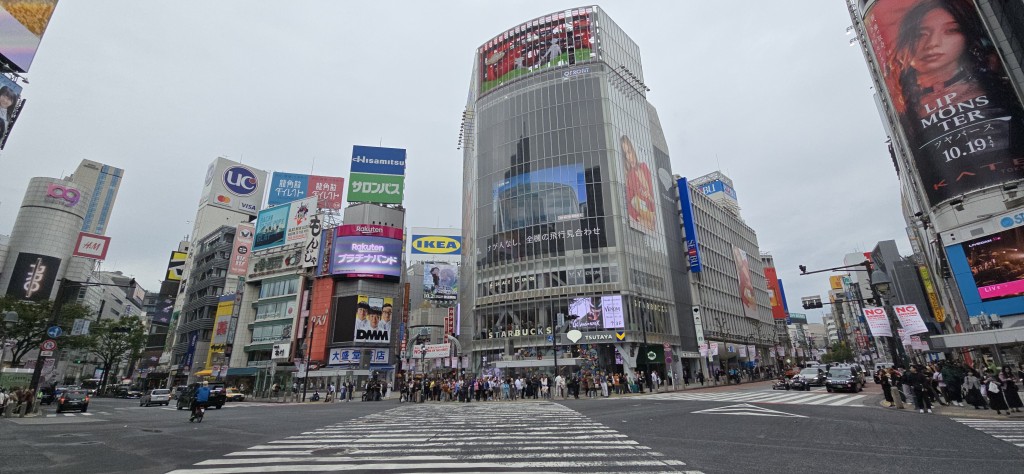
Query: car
(157, 396)
(233, 395)
(73, 400)
(798, 383)
(177, 391)
(844, 378)
(125, 391)
(216, 400)
(814, 376)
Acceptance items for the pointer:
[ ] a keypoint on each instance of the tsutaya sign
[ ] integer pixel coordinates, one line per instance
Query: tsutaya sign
(595, 337)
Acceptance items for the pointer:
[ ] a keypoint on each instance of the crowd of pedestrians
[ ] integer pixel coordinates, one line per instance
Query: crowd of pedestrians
(953, 383)
(537, 386)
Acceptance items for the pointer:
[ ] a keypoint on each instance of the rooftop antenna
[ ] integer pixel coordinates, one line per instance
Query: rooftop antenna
(312, 165)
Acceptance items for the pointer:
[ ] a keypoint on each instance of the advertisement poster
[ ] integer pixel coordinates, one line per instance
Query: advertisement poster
(746, 283)
(752, 351)
(299, 213)
(311, 250)
(639, 189)
(22, 25)
(91, 246)
(378, 160)
(440, 281)
(288, 187)
(689, 226)
(774, 293)
(10, 91)
(373, 319)
(234, 186)
(176, 266)
(376, 188)
(366, 257)
(222, 319)
(270, 227)
(877, 321)
(996, 264)
(553, 40)
(948, 86)
(244, 235)
(713, 349)
(910, 318)
(597, 312)
(33, 276)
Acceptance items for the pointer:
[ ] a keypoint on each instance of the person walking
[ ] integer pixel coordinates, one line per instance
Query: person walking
(996, 400)
(894, 388)
(919, 383)
(953, 376)
(972, 390)
(1010, 391)
(883, 378)
(700, 377)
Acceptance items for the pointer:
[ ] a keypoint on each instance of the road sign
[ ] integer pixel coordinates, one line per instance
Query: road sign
(54, 331)
(551, 338)
(651, 355)
(668, 359)
(45, 353)
(48, 345)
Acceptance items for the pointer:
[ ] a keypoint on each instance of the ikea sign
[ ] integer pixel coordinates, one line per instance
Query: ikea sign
(437, 244)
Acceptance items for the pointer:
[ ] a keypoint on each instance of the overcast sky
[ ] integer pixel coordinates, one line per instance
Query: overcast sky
(770, 93)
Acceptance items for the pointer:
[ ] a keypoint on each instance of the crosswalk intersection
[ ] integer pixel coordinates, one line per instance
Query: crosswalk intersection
(510, 437)
(1006, 430)
(780, 397)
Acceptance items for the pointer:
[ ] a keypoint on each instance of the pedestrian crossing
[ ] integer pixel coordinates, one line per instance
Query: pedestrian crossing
(1006, 430)
(784, 398)
(173, 407)
(478, 437)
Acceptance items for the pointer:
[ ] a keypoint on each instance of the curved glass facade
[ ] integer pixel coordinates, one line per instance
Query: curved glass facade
(562, 214)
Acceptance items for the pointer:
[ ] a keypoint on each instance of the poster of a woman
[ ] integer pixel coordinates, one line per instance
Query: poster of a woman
(639, 189)
(962, 119)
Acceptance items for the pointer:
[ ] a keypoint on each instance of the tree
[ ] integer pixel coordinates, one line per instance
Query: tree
(33, 320)
(838, 353)
(116, 340)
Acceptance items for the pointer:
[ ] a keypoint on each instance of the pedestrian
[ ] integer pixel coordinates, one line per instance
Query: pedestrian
(919, 383)
(700, 377)
(1010, 391)
(883, 378)
(330, 393)
(953, 376)
(894, 388)
(604, 386)
(972, 390)
(3, 402)
(995, 394)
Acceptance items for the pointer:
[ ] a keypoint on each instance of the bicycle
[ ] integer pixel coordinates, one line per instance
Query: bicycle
(198, 410)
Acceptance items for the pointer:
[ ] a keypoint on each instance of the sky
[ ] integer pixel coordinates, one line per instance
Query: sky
(769, 93)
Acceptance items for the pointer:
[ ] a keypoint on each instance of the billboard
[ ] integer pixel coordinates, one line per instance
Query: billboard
(285, 224)
(378, 160)
(436, 245)
(718, 186)
(373, 319)
(553, 40)
(640, 206)
(376, 188)
(963, 122)
(234, 186)
(364, 251)
(22, 24)
(222, 319)
(288, 187)
(244, 236)
(997, 264)
(745, 282)
(689, 226)
(33, 276)
(10, 96)
(91, 246)
(176, 266)
(597, 312)
(440, 282)
(774, 293)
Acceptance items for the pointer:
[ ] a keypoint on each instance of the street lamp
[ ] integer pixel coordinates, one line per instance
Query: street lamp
(881, 289)
(556, 333)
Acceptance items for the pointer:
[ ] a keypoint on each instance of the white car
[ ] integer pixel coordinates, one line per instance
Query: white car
(157, 396)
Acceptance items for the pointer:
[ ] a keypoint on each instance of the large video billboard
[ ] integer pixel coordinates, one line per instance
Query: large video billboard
(33, 276)
(963, 121)
(997, 264)
(367, 251)
(440, 282)
(232, 185)
(746, 282)
(288, 187)
(373, 319)
(554, 40)
(10, 95)
(22, 24)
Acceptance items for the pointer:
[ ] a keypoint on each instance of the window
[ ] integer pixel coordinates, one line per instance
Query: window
(279, 288)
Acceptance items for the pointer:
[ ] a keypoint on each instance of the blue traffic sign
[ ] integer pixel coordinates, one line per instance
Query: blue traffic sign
(551, 338)
(54, 331)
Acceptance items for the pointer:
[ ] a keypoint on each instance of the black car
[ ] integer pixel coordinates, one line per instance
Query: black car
(798, 383)
(841, 378)
(216, 400)
(73, 400)
(813, 376)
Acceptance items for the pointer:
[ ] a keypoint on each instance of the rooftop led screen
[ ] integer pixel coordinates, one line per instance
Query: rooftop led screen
(363, 256)
(22, 24)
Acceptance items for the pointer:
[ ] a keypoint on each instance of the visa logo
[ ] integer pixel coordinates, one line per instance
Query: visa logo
(436, 244)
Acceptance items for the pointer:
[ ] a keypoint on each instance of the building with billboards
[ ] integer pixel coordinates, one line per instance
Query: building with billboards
(956, 129)
(432, 275)
(564, 206)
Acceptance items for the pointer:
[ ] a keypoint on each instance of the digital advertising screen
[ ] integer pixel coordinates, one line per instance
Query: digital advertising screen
(373, 317)
(362, 256)
(746, 283)
(640, 206)
(22, 24)
(271, 226)
(10, 95)
(597, 312)
(440, 282)
(963, 121)
(554, 40)
(997, 264)
(33, 276)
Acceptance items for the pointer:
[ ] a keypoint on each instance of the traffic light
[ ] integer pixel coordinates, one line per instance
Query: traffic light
(811, 302)
(803, 268)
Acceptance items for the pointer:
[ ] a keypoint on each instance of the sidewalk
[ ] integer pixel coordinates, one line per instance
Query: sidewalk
(968, 411)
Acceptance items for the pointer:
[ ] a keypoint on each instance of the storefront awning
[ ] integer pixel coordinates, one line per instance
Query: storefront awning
(242, 371)
(204, 373)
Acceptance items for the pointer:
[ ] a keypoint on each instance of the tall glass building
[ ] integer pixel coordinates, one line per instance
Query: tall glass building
(570, 217)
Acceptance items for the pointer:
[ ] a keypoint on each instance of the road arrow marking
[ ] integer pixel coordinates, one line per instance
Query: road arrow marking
(747, 409)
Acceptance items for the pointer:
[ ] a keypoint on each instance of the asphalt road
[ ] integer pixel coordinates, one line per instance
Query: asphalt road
(748, 428)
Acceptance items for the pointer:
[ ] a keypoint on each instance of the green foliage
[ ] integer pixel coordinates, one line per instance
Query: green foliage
(838, 353)
(33, 320)
(116, 340)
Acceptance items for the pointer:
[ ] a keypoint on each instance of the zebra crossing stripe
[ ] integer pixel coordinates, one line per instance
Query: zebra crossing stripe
(440, 438)
(1005, 430)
